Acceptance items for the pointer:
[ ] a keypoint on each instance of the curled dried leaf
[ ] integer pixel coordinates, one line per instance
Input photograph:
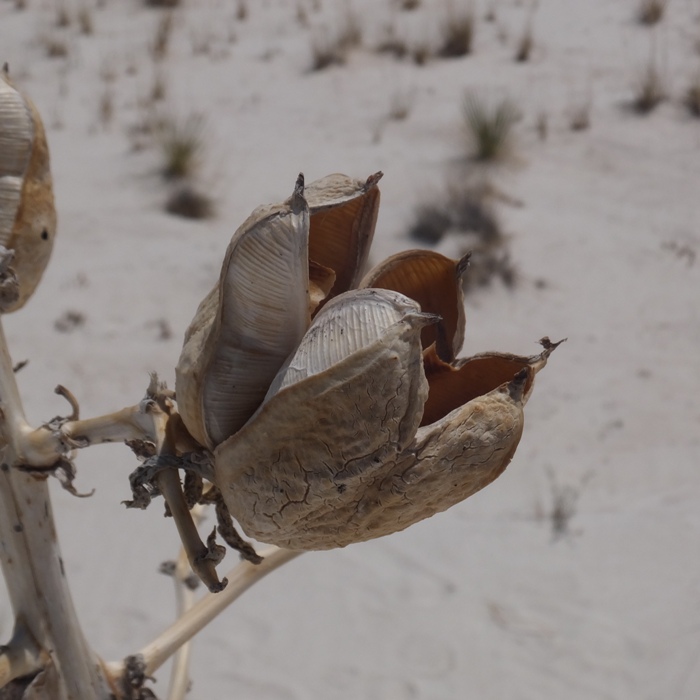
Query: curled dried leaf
(435, 282)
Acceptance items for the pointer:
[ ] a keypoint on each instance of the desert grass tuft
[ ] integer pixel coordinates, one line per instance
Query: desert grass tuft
(62, 16)
(525, 45)
(420, 53)
(85, 22)
(542, 125)
(650, 12)
(325, 52)
(400, 105)
(182, 147)
(580, 116)
(106, 107)
(489, 126)
(158, 89)
(161, 40)
(691, 99)
(328, 50)
(55, 47)
(457, 33)
(649, 89)
(163, 3)
(467, 212)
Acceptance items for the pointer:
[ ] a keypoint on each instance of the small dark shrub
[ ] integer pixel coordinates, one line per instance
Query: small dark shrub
(649, 89)
(692, 97)
(651, 11)
(525, 45)
(467, 211)
(457, 34)
(190, 203)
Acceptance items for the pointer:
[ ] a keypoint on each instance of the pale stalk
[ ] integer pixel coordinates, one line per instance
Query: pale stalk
(184, 600)
(240, 578)
(31, 559)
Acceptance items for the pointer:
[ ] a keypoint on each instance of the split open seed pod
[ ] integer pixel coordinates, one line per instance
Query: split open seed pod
(470, 440)
(250, 322)
(435, 282)
(27, 211)
(343, 217)
(349, 399)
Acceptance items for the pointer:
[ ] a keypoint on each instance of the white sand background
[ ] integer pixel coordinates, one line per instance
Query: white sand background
(481, 601)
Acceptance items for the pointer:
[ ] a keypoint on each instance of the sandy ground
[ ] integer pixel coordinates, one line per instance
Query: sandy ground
(482, 601)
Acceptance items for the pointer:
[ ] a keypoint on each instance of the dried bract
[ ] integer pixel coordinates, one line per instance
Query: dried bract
(27, 212)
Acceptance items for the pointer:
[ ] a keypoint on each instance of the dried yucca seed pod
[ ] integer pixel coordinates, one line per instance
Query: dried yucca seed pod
(350, 398)
(249, 323)
(27, 211)
(343, 216)
(435, 282)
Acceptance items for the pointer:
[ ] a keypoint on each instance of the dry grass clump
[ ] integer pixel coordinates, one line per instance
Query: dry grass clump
(420, 53)
(489, 126)
(580, 116)
(408, 5)
(333, 50)
(85, 22)
(106, 107)
(182, 147)
(392, 44)
(457, 33)
(649, 89)
(467, 211)
(650, 12)
(161, 40)
(525, 45)
(55, 47)
(62, 16)
(190, 203)
(691, 99)
(162, 3)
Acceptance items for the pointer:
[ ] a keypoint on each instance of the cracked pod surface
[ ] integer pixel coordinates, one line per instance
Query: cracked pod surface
(292, 479)
(349, 398)
(27, 210)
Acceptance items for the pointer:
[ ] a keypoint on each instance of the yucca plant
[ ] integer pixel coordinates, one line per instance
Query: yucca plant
(316, 406)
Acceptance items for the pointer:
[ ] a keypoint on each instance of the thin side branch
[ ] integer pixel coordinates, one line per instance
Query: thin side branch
(240, 578)
(185, 584)
(20, 657)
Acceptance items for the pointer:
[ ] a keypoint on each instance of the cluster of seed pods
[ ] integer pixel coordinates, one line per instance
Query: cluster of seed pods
(334, 404)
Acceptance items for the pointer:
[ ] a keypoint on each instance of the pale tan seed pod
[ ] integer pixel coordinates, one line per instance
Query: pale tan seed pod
(27, 211)
(349, 399)
(250, 322)
(343, 217)
(308, 500)
(435, 282)
(449, 460)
